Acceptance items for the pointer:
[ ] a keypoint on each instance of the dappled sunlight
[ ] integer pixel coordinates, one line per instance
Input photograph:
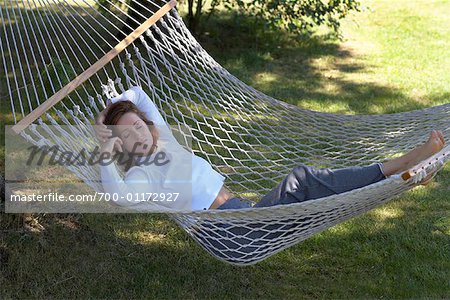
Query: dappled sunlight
(235, 64)
(423, 190)
(230, 116)
(442, 226)
(338, 107)
(147, 237)
(69, 223)
(376, 109)
(385, 213)
(397, 250)
(359, 47)
(147, 229)
(362, 73)
(373, 222)
(266, 77)
(341, 229)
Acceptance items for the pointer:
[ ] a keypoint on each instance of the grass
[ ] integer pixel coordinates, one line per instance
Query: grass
(392, 59)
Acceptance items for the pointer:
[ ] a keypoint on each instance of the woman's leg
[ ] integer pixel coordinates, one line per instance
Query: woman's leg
(236, 203)
(306, 182)
(301, 184)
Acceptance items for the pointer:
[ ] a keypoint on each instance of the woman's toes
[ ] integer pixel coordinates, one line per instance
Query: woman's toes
(433, 136)
(440, 140)
(434, 143)
(441, 137)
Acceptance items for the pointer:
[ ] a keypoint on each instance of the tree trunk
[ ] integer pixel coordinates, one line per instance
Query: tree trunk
(193, 18)
(137, 14)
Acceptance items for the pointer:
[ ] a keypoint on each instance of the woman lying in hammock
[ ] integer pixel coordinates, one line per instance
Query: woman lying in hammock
(144, 137)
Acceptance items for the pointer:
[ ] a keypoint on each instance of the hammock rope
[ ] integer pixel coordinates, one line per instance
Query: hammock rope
(251, 138)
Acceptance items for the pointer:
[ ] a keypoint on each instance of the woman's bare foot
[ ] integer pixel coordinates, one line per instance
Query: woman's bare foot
(433, 145)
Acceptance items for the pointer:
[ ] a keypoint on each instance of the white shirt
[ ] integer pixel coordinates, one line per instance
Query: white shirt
(192, 177)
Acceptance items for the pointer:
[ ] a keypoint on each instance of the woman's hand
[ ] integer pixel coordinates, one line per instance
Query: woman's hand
(111, 146)
(102, 132)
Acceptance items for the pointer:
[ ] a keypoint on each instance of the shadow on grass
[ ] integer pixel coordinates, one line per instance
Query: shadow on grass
(398, 250)
(303, 71)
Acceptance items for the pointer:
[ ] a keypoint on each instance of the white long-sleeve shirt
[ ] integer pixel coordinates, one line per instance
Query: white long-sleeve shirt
(196, 182)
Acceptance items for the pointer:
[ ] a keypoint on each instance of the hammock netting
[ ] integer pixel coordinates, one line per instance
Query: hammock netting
(249, 137)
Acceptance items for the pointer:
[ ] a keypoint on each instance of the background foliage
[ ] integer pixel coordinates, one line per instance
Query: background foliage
(299, 17)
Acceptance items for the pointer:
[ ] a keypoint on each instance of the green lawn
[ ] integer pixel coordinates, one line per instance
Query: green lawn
(394, 57)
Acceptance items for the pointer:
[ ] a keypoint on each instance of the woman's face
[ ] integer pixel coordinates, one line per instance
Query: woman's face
(134, 133)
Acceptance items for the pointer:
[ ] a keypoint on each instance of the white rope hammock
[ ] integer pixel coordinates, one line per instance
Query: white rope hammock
(252, 139)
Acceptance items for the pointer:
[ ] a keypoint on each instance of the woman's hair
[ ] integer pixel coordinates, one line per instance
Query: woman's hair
(112, 116)
(118, 109)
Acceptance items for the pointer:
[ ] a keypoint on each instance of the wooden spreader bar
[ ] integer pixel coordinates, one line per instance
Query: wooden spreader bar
(71, 86)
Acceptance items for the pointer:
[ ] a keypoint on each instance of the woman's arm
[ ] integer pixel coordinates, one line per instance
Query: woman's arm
(136, 95)
(123, 192)
(101, 130)
(139, 192)
(126, 192)
(144, 188)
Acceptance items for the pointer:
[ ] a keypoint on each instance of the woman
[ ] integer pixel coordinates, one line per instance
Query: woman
(141, 132)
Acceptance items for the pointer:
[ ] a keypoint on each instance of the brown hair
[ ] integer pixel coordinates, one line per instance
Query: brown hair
(118, 109)
(115, 112)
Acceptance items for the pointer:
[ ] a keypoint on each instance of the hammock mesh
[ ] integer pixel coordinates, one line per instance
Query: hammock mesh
(249, 137)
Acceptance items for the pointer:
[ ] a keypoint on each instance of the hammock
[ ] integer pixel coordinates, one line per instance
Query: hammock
(251, 138)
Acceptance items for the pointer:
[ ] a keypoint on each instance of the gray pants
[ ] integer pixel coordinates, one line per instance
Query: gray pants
(306, 183)
(301, 184)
